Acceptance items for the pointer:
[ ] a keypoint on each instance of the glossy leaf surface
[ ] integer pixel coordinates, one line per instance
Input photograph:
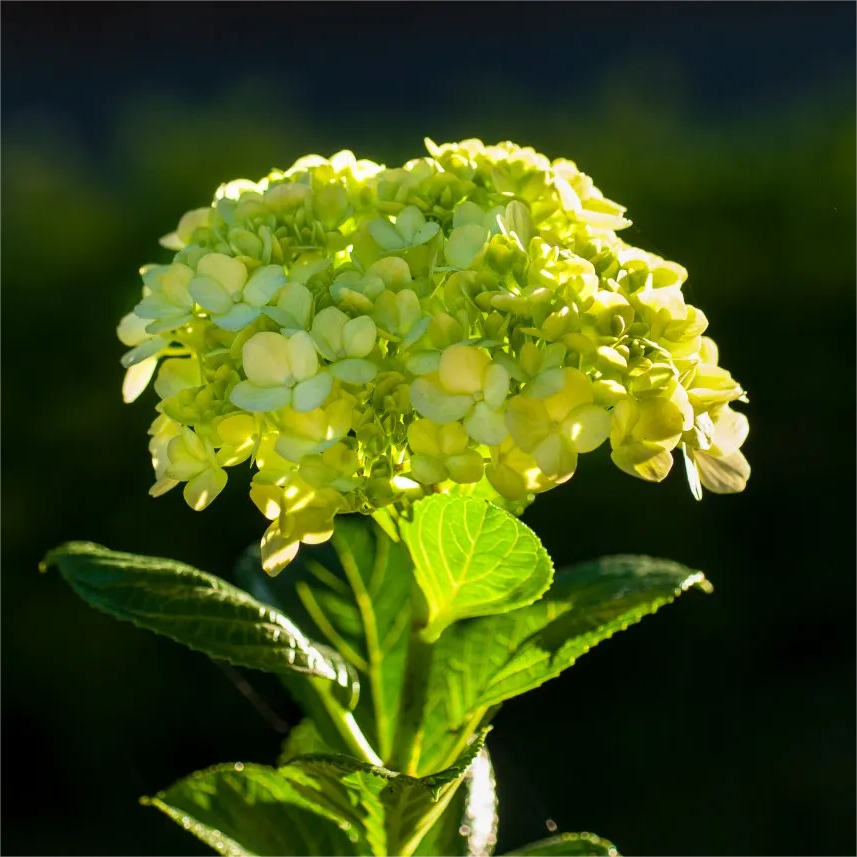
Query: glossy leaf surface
(471, 559)
(480, 663)
(199, 610)
(569, 845)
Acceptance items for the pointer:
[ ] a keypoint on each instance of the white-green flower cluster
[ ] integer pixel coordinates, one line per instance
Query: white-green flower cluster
(467, 322)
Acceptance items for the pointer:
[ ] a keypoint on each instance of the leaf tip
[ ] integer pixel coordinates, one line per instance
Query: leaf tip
(700, 581)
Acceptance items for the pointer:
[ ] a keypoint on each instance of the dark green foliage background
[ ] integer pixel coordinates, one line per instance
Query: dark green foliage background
(723, 726)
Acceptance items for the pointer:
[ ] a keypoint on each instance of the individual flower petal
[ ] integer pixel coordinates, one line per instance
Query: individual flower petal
(485, 424)
(659, 421)
(137, 378)
(277, 551)
(464, 244)
(588, 426)
(556, 457)
(294, 307)
(267, 359)
(648, 461)
(726, 474)
(465, 467)
(496, 385)
(358, 336)
(210, 295)
(144, 351)
(263, 285)
(462, 369)
(202, 490)
(545, 384)
(311, 394)
(327, 330)
(247, 396)
(177, 374)
(132, 330)
(423, 437)
(730, 431)
(528, 422)
(576, 391)
(237, 318)
(354, 371)
(431, 400)
(302, 356)
(428, 470)
(229, 272)
(452, 439)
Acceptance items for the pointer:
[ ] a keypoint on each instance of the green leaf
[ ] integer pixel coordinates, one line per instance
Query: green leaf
(302, 740)
(199, 610)
(353, 593)
(253, 810)
(472, 559)
(392, 811)
(480, 663)
(469, 827)
(569, 845)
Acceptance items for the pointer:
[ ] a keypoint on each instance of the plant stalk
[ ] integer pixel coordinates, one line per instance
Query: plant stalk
(345, 724)
(407, 745)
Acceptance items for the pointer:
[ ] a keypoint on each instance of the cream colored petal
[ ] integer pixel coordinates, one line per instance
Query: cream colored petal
(201, 491)
(431, 400)
(277, 551)
(311, 394)
(659, 422)
(428, 470)
(452, 439)
(303, 357)
(556, 457)
(132, 330)
(486, 425)
(423, 437)
(576, 391)
(229, 272)
(730, 431)
(247, 396)
(462, 369)
(466, 468)
(210, 294)
(648, 461)
(263, 285)
(528, 422)
(267, 359)
(587, 427)
(177, 374)
(358, 336)
(328, 326)
(137, 378)
(496, 385)
(726, 474)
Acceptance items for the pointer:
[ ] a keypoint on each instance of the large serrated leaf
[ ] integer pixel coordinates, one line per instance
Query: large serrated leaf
(480, 663)
(243, 810)
(470, 828)
(353, 593)
(568, 845)
(473, 559)
(392, 811)
(199, 610)
(466, 828)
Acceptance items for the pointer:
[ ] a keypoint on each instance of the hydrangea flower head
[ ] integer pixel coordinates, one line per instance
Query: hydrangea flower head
(469, 322)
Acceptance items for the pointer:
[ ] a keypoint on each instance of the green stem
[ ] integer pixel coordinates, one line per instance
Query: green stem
(345, 724)
(407, 848)
(481, 717)
(409, 730)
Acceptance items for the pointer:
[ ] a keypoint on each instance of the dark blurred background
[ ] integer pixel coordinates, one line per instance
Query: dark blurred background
(723, 726)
